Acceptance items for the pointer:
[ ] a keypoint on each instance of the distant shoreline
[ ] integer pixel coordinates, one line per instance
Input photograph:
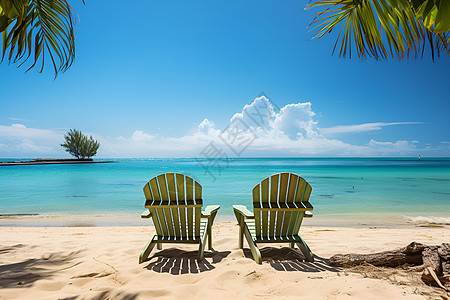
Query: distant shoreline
(53, 161)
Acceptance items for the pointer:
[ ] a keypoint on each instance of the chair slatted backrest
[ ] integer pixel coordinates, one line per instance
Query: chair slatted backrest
(279, 205)
(175, 203)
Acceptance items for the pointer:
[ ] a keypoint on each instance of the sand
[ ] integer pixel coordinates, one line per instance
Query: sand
(102, 263)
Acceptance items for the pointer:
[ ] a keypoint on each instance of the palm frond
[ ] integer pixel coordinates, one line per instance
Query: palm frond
(44, 28)
(378, 28)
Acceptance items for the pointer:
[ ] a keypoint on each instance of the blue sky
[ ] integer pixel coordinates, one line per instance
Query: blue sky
(147, 76)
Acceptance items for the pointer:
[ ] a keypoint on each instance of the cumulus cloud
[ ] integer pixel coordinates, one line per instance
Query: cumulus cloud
(296, 121)
(260, 129)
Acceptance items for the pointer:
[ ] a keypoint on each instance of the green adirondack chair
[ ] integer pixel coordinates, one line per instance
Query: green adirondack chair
(174, 203)
(280, 202)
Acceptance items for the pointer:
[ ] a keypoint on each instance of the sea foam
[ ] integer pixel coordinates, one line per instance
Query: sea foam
(429, 220)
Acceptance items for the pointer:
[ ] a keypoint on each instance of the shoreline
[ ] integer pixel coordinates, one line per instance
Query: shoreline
(388, 221)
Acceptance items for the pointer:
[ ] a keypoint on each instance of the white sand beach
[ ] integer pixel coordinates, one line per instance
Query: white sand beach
(102, 263)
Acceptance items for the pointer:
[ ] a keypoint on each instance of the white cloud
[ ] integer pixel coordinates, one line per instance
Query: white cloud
(21, 141)
(292, 131)
(141, 137)
(25, 146)
(361, 127)
(206, 127)
(18, 119)
(30, 147)
(399, 147)
(20, 131)
(296, 121)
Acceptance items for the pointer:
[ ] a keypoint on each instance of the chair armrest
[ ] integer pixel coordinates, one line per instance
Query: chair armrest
(146, 214)
(210, 210)
(243, 211)
(308, 214)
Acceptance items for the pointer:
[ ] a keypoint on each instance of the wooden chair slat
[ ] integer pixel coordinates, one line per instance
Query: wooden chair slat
(256, 192)
(162, 221)
(307, 193)
(147, 192)
(300, 190)
(183, 221)
(198, 213)
(274, 187)
(169, 220)
(265, 222)
(190, 216)
(257, 199)
(299, 221)
(265, 190)
(279, 224)
(293, 180)
(293, 223)
(189, 188)
(155, 220)
(198, 191)
(286, 222)
(176, 221)
(272, 220)
(258, 221)
(180, 187)
(284, 180)
(154, 188)
(163, 187)
(170, 177)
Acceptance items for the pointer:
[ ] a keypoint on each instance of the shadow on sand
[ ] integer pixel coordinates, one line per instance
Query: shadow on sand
(25, 273)
(105, 295)
(176, 261)
(288, 259)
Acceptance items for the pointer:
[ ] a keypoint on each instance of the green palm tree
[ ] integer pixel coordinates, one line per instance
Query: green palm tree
(38, 29)
(385, 28)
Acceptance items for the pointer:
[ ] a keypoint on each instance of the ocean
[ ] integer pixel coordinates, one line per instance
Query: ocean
(345, 191)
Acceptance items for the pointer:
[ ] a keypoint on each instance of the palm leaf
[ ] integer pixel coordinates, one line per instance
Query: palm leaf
(44, 28)
(378, 28)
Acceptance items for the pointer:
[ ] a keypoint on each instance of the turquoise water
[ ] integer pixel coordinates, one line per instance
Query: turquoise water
(340, 185)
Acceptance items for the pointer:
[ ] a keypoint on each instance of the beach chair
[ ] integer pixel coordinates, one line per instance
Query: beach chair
(174, 203)
(280, 202)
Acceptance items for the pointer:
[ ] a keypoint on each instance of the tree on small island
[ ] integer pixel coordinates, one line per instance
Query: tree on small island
(79, 145)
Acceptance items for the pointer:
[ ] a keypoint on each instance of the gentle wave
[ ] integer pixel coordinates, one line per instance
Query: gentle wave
(429, 220)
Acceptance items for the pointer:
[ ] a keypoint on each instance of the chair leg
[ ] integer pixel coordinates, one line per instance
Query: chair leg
(201, 248)
(241, 233)
(210, 223)
(148, 248)
(209, 237)
(252, 244)
(292, 245)
(159, 246)
(309, 256)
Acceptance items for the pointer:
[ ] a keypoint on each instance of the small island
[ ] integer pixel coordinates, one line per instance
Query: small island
(76, 143)
(48, 161)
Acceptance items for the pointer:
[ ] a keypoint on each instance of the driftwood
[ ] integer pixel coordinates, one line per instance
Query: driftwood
(433, 260)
